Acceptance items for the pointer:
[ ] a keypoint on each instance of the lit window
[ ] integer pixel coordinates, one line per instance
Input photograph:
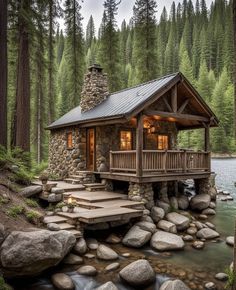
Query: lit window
(162, 142)
(125, 140)
(69, 140)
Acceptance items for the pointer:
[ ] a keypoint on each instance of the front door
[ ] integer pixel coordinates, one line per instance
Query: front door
(91, 149)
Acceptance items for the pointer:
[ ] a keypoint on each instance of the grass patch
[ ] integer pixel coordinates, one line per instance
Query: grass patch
(231, 278)
(37, 169)
(31, 202)
(60, 204)
(3, 285)
(4, 200)
(32, 217)
(15, 211)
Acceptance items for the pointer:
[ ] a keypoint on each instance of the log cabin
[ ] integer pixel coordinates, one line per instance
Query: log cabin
(131, 136)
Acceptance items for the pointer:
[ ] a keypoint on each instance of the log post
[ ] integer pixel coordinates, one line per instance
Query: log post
(207, 138)
(139, 145)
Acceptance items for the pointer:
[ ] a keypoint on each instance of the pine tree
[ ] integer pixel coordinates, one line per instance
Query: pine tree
(145, 40)
(74, 51)
(186, 67)
(90, 33)
(203, 82)
(3, 73)
(60, 47)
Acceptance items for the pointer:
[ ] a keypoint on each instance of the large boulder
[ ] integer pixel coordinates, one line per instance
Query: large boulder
(182, 222)
(157, 213)
(107, 286)
(163, 241)
(136, 237)
(147, 226)
(30, 253)
(207, 234)
(31, 190)
(106, 253)
(138, 274)
(62, 281)
(164, 205)
(167, 226)
(200, 201)
(183, 202)
(174, 285)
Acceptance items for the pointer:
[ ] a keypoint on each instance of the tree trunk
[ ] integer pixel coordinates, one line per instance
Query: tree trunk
(234, 32)
(3, 73)
(23, 84)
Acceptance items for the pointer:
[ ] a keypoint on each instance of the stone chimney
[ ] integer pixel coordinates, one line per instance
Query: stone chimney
(95, 88)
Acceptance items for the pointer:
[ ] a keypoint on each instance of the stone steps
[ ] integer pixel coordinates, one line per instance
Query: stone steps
(66, 226)
(54, 219)
(72, 181)
(94, 197)
(94, 186)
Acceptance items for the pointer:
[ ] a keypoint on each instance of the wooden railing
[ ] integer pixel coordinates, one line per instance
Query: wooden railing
(162, 161)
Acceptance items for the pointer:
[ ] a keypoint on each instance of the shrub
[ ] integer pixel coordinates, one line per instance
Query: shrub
(31, 202)
(32, 217)
(60, 204)
(3, 200)
(39, 168)
(3, 285)
(231, 278)
(14, 211)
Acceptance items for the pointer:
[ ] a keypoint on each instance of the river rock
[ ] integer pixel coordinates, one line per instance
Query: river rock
(53, 227)
(30, 253)
(107, 286)
(113, 239)
(31, 190)
(210, 286)
(92, 244)
(191, 231)
(183, 202)
(146, 226)
(174, 202)
(210, 225)
(221, 276)
(72, 259)
(199, 225)
(212, 205)
(230, 241)
(198, 245)
(163, 205)
(80, 247)
(53, 197)
(200, 201)
(209, 211)
(138, 274)
(157, 213)
(182, 222)
(174, 285)
(203, 216)
(212, 192)
(112, 267)
(207, 234)
(2, 233)
(136, 237)
(62, 281)
(167, 226)
(163, 241)
(106, 253)
(89, 256)
(87, 271)
(187, 238)
(57, 190)
(146, 218)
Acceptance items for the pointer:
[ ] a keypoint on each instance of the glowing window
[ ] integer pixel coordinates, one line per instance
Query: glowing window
(69, 139)
(162, 142)
(125, 140)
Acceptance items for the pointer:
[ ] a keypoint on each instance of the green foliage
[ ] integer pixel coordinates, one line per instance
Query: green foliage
(39, 168)
(3, 200)
(60, 205)
(15, 211)
(231, 278)
(32, 217)
(3, 285)
(31, 202)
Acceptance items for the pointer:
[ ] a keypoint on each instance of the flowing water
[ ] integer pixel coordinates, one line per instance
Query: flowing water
(215, 257)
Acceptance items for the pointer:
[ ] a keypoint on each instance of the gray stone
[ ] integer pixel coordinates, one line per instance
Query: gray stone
(113, 239)
(182, 222)
(174, 285)
(230, 241)
(183, 202)
(80, 246)
(106, 253)
(198, 245)
(209, 211)
(138, 274)
(107, 286)
(31, 190)
(203, 216)
(53, 197)
(30, 253)
(2, 233)
(200, 201)
(112, 267)
(98, 226)
(57, 190)
(157, 214)
(146, 226)
(207, 234)
(212, 205)
(89, 256)
(221, 276)
(210, 225)
(92, 244)
(53, 227)
(146, 218)
(136, 237)
(199, 225)
(174, 203)
(87, 271)
(126, 255)
(167, 226)
(163, 241)
(62, 281)
(187, 238)
(210, 286)
(192, 231)
(72, 259)
(163, 205)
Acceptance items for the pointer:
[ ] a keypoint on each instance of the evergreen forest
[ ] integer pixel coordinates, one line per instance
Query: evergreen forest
(44, 65)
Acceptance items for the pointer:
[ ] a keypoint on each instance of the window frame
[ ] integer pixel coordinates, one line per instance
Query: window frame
(131, 139)
(70, 133)
(168, 141)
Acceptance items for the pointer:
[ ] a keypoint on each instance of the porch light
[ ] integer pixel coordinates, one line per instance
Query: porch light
(70, 200)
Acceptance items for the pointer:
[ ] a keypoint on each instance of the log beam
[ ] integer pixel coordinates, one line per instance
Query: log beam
(174, 99)
(139, 145)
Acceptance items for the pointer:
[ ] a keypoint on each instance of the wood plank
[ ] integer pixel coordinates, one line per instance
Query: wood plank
(54, 219)
(65, 226)
(119, 203)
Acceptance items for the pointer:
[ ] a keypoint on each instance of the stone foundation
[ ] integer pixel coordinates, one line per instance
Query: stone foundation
(142, 192)
(206, 186)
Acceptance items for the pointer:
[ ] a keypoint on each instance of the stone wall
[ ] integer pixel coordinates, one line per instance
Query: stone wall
(64, 161)
(142, 192)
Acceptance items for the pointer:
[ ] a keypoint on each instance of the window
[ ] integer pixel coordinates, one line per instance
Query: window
(69, 140)
(162, 142)
(125, 140)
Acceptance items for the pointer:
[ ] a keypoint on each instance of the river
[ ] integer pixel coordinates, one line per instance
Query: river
(215, 257)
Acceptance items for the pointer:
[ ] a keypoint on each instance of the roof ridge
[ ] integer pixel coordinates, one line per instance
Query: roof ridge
(139, 85)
